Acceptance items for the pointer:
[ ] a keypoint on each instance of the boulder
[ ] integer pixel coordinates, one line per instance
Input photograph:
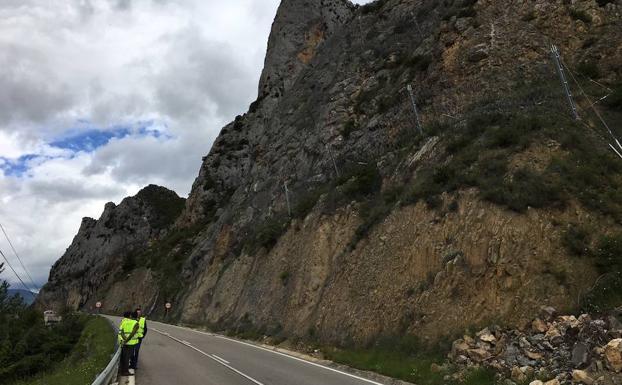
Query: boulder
(582, 377)
(554, 336)
(486, 336)
(536, 382)
(534, 355)
(585, 318)
(478, 53)
(518, 375)
(569, 321)
(547, 313)
(614, 323)
(580, 355)
(539, 326)
(554, 381)
(613, 355)
(459, 347)
(478, 355)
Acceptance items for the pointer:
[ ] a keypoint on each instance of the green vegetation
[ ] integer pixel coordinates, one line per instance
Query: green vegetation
(358, 183)
(481, 153)
(602, 3)
(165, 257)
(405, 358)
(614, 101)
(267, 233)
(284, 277)
(349, 127)
(166, 204)
(480, 376)
(579, 14)
(86, 360)
(28, 348)
(577, 240)
(373, 6)
(463, 8)
(589, 69)
(606, 294)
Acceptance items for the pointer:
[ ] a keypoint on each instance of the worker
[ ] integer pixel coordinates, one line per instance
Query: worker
(128, 338)
(142, 332)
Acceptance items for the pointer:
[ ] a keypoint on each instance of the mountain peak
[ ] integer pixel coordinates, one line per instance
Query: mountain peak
(299, 28)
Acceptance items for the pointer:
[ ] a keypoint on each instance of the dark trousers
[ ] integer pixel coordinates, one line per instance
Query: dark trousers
(127, 351)
(134, 358)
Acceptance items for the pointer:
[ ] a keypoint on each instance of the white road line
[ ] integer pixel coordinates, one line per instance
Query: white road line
(185, 342)
(285, 355)
(220, 358)
(223, 363)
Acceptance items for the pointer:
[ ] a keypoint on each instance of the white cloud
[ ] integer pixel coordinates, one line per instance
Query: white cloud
(186, 66)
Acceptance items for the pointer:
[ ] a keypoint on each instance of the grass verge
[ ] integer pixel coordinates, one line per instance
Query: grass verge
(87, 359)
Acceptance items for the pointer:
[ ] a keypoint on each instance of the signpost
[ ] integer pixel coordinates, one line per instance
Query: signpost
(98, 305)
(167, 307)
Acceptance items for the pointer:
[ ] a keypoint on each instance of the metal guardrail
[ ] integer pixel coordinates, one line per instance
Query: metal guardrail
(109, 375)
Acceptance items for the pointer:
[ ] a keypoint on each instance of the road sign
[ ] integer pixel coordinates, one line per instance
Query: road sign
(98, 304)
(167, 305)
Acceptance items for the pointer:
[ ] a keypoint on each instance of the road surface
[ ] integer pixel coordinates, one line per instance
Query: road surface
(181, 356)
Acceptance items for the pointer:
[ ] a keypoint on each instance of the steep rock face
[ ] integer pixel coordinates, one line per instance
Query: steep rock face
(348, 106)
(97, 252)
(298, 30)
(363, 255)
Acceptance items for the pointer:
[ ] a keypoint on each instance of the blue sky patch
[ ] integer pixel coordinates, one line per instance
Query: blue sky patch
(16, 167)
(90, 140)
(86, 138)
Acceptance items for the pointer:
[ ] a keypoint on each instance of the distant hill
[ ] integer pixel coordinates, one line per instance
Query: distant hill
(26, 296)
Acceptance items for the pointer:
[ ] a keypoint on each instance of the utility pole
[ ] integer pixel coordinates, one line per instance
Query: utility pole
(562, 76)
(332, 158)
(414, 103)
(289, 207)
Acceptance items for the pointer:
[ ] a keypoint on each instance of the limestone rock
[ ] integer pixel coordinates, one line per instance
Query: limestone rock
(582, 377)
(547, 313)
(486, 336)
(539, 326)
(479, 354)
(580, 355)
(518, 375)
(613, 355)
(298, 30)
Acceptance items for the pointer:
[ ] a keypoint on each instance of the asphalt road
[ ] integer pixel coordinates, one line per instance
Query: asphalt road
(181, 356)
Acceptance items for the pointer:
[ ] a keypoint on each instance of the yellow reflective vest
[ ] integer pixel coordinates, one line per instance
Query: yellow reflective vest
(141, 327)
(125, 329)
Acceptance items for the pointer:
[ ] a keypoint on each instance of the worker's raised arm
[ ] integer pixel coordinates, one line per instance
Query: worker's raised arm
(134, 331)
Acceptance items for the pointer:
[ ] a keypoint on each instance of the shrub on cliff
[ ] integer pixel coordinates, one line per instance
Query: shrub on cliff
(606, 294)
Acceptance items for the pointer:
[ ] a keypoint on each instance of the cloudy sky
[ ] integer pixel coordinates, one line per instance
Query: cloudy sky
(99, 98)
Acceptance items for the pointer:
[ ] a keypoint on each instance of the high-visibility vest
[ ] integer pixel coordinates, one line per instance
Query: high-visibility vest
(119, 337)
(125, 329)
(141, 327)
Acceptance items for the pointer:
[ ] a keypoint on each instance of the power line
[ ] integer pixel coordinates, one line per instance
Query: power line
(17, 275)
(18, 258)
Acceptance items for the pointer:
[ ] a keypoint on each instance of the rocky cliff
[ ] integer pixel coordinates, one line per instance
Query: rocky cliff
(324, 212)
